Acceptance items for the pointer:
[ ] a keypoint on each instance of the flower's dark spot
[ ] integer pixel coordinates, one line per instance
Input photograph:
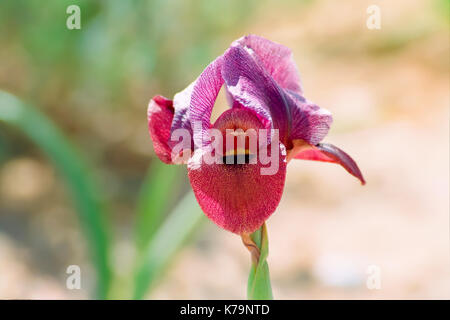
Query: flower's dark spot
(238, 159)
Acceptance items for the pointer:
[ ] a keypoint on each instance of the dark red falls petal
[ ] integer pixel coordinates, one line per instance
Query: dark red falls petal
(329, 153)
(237, 197)
(160, 114)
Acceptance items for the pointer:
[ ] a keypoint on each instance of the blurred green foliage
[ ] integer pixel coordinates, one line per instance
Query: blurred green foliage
(157, 238)
(154, 43)
(165, 243)
(72, 168)
(156, 192)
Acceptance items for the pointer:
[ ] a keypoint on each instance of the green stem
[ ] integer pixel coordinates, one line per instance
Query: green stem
(258, 287)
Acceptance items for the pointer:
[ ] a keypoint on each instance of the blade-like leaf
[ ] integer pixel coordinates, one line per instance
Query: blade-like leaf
(59, 150)
(158, 187)
(169, 238)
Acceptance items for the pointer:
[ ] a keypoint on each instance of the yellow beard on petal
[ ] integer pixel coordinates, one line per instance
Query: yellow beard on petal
(237, 152)
(239, 156)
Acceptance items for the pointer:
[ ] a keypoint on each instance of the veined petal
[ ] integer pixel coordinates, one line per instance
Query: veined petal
(237, 197)
(160, 114)
(309, 122)
(181, 103)
(252, 87)
(182, 122)
(277, 60)
(204, 95)
(329, 153)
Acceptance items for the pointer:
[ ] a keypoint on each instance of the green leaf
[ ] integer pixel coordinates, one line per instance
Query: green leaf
(167, 240)
(68, 162)
(154, 196)
(259, 286)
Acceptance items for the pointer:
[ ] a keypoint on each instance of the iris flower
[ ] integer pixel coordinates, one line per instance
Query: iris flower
(263, 90)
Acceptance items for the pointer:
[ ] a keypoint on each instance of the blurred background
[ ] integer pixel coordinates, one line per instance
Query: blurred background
(388, 90)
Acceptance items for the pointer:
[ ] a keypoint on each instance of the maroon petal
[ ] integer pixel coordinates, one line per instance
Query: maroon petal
(252, 87)
(238, 197)
(277, 60)
(160, 114)
(329, 153)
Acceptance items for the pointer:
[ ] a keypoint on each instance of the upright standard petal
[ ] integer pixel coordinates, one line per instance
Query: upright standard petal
(252, 87)
(277, 60)
(181, 103)
(310, 122)
(160, 114)
(204, 95)
(329, 153)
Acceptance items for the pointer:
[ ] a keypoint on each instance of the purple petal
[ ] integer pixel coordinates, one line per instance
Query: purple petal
(276, 59)
(329, 153)
(204, 94)
(181, 103)
(252, 87)
(181, 119)
(309, 122)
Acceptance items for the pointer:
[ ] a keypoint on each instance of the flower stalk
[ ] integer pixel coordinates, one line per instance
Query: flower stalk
(258, 286)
